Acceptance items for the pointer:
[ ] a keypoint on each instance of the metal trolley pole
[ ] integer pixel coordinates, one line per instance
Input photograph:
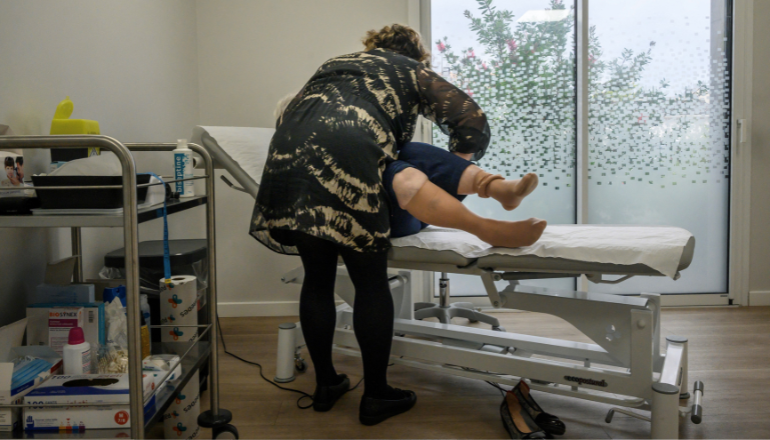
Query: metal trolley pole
(216, 416)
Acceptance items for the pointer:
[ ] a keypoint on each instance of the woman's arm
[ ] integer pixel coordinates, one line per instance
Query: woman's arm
(446, 105)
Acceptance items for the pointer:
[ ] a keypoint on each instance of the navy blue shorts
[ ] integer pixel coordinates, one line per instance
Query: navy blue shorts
(443, 169)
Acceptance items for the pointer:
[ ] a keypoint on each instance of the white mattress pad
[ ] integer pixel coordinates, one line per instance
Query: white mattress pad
(243, 151)
(657, 247)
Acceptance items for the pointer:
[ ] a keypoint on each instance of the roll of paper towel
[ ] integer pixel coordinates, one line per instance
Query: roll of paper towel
(179, 307)
(181, 419)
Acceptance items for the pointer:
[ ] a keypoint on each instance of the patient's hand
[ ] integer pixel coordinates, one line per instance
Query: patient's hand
(466, 156)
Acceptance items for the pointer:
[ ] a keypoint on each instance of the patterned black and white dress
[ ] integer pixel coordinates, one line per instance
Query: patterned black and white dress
(323, 174)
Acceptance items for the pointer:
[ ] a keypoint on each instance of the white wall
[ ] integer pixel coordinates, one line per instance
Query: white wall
(251, 53)
(132, 66)
(760, 156)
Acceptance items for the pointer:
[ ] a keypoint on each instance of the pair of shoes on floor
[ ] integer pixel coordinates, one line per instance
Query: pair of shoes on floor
(325, 397)
(524, 419)
(372, 411)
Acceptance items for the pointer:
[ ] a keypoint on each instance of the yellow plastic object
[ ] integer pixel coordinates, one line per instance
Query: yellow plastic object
(62, 124)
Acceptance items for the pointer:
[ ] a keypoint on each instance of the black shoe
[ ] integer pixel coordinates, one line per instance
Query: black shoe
(324, 398)
(517, 421)
(373, 411)
(547, 422)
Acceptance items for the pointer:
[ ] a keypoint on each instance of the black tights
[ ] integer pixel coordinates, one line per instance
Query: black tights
(372, 310)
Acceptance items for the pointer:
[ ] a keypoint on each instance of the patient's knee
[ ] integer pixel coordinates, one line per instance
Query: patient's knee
(406, 184)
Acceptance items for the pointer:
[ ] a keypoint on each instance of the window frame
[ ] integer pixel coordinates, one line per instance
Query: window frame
(419, 18)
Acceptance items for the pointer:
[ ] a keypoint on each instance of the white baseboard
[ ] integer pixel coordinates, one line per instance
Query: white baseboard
(759, 298)
(259, 308)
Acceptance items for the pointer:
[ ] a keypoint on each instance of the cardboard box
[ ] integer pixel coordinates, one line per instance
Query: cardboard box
(60, 321)
(93, 323)
(61, 294)
(12, 175)
(93, 388)
(10, 339)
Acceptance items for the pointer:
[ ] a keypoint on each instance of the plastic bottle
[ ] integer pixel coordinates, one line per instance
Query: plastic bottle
(144, 306)
(145, 333)
(77, 353)
(183, 169)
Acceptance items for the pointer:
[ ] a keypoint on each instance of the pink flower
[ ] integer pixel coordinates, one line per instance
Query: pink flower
(468, 91)
(441, 46)
(591, 59)
(484, 65)
(512, 45)
(470, 55)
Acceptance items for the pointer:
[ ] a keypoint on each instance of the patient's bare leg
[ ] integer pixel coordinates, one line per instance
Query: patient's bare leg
(432, 205)
(509, 193)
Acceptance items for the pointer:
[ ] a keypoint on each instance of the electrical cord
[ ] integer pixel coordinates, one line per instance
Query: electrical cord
(304, 394)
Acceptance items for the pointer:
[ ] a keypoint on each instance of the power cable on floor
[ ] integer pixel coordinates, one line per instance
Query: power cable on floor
(304, 394)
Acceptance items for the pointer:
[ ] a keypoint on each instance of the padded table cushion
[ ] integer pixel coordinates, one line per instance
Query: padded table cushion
(584, 249)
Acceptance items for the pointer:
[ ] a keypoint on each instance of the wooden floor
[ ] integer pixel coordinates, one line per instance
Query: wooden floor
(729, 352)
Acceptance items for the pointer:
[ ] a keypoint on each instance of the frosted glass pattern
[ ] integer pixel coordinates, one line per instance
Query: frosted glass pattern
(516, 59)
(659, 128)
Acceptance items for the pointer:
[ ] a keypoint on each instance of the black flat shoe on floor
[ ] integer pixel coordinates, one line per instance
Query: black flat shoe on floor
(547, 422)
(374, 411)
(324, 398)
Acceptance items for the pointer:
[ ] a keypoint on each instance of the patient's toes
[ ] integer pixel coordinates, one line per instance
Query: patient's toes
(527, 184)
(536, 227)
(510, 193)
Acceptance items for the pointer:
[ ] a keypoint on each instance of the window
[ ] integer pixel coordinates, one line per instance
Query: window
(657, 122)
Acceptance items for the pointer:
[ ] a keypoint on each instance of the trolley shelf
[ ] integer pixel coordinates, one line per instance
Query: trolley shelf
(190, 364)
(196, 356)
(98, 221)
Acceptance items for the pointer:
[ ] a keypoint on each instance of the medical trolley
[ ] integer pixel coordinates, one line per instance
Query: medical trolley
(193, 354)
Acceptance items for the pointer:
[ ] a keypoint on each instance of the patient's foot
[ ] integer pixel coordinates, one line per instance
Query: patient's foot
(511, 234)
(510, 193)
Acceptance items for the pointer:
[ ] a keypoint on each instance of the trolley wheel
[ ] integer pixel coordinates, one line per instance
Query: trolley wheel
(226, 431)
(300, 365)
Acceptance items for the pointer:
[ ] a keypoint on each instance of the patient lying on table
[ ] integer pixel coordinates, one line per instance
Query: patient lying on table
(426, 186)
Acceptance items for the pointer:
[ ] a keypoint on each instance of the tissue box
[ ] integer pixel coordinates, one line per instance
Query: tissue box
(92, 388)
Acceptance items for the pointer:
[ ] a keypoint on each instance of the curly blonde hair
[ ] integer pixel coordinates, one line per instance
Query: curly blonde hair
(400, 39)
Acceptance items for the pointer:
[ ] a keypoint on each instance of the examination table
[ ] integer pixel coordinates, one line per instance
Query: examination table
(626, 365)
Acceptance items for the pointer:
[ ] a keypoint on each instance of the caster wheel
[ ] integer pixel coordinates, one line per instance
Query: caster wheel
(300, 365)
(226, 432)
